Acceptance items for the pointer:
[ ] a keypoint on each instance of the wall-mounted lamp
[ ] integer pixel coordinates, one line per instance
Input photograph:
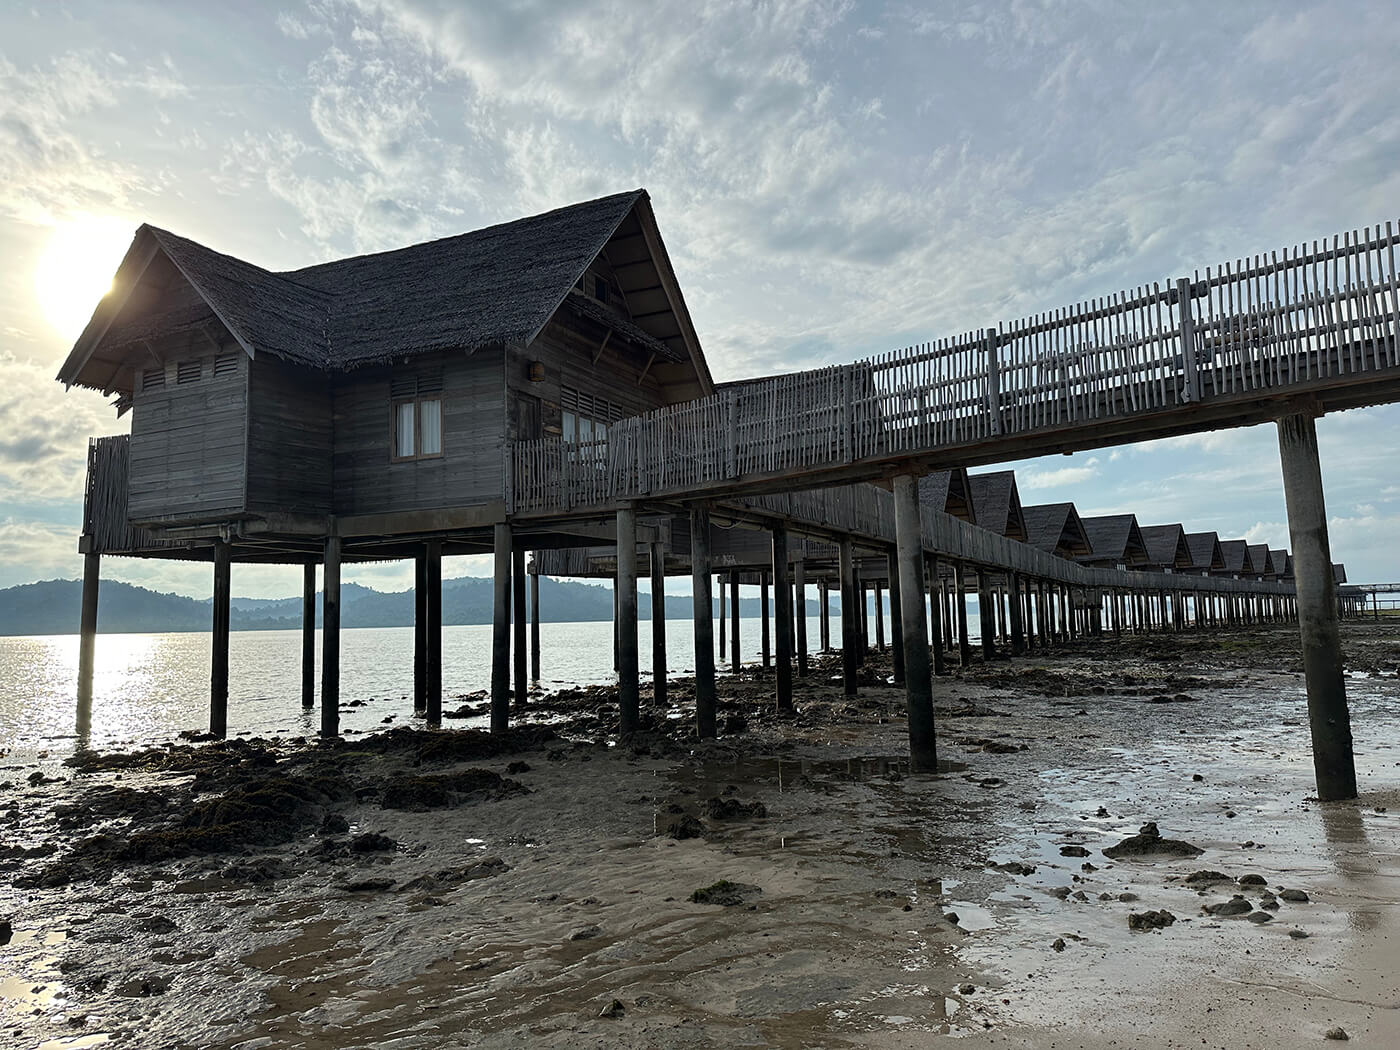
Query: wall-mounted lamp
(537, 371)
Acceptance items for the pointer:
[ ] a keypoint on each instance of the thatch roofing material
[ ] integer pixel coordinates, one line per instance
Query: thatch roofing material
(1167, 547)
(1116, 539)
(1056, 528)
(1236, 554)
(996, 505)
(1205, 551)
(948, 491)
(1259, 558)
(1278, 563)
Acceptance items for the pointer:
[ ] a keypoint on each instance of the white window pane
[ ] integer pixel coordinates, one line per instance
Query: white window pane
(570, 427)
(585, 429)
(600, 432)
(403, 430)
(429, 428)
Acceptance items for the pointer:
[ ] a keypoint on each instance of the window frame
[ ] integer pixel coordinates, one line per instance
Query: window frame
(417, 402)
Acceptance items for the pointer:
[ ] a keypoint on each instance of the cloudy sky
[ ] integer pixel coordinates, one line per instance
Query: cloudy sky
(832, 179)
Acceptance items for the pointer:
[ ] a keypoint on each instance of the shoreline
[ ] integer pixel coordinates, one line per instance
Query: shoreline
(509, 913)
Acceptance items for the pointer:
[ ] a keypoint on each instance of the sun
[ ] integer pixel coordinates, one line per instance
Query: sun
(76, 268)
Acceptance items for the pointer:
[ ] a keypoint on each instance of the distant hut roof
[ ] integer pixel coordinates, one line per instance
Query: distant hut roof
(1237, 559)
(1167, 547)
(1278, 562)
(1057, 529)
(491, 286)
(950, 492)
(1259, 558)
(1339, 572)
(1206, 555)
(997, 505)
(1115, 538)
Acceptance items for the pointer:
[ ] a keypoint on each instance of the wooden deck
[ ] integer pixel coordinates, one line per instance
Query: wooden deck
(1226, 348)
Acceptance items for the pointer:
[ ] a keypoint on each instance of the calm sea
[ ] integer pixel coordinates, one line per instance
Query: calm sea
(149, 687)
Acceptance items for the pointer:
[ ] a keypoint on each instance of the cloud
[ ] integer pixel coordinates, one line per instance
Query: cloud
(1053, 479)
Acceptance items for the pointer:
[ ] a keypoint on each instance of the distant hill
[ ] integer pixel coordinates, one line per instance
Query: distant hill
(53, 606)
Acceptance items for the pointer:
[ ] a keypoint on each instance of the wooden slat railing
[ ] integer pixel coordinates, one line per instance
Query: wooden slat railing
(1267, 322)
(105, 522)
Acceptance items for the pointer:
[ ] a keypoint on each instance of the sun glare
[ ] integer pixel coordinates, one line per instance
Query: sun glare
(76, 269)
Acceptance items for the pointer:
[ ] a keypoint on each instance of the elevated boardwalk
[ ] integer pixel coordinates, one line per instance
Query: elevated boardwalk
(1311, 328)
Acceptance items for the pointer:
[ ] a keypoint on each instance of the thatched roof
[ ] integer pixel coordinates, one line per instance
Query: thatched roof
(1237, 559)
(1167, 547)
(1279, 563)
(1116, 540)
(1056, 528)
(1205, 551)
(1339, 572)
(489, 287)
(1259, 558)
(950, 492)
(996, 505)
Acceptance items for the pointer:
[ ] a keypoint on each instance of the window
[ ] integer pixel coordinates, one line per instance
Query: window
(586, 418)
(417, 415)
(600, 289)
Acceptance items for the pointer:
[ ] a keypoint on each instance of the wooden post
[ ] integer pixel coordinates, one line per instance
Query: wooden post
(87, 641)
(500, 631)
(918, 683)
(734, 636)
(897, 614)
(218, 664)
(330, 639)
(520, 622)
(800, 578)
(1018, 633)
(989, 348)
(308, 635)
(960, 610)
(879, 616)
(782, 611)
(722, 631)
(432, 608)
(702, 612)
(420, 630)
(1191, 387)
(628, 686)
(766, 651)
(534, 626)
(824, 623)
(850, 629)
(1333, 760)
(986, 615)
(657, 559)
(935, 592)
(863, 611)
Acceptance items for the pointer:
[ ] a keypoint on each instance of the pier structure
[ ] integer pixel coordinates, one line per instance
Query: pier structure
(539, 386)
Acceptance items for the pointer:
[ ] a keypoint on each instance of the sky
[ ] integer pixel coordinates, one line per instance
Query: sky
(832, 178)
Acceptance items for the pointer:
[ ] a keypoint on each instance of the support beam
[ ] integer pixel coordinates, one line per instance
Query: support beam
(722, 618)
(766, 652)
(519, 623)
(824, 623)
(534, 626)
(1333, 760)
(734, 634)
(500, 630)
(800, 583)
(960, 610)
(657, 563)
(935, 590)
(703, 614)
(330, 639)
(87, 643)
(1018, 633)
(628, 685)
(986, 615)
(897, 616)
(432, 589)
(782, 612)
(218, 663)
(308, 635)
(918, 685)
(879, 615)
(850, 627)
(420, 630)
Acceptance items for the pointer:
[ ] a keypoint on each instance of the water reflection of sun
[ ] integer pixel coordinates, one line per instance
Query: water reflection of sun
(76, 269)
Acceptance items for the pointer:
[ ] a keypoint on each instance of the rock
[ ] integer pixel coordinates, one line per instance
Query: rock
(614, 1009)
(719, 808)
(1293, 896)
(520, 767)
(420, 793)
(1127, 897)
(725, 893)
(1058, 944)
(371, 842)
(585, 934)
(735, 724)
(6, 931)
(1014, 867)
(1298, 935)
(1073, 851)
(997, 747)
(966, 989)
(1148, 842)
(369, 885)
(951, 917)
(1252, 880)
(685, 828)
(1205, 878)
(1339, 1033)
(334, 824)
(1150, 920)
(1080, 896)
(1061, 892)
(1259, 917)
(1197, 777)
(1236, 905)
(1102, 812)
(1231, 814)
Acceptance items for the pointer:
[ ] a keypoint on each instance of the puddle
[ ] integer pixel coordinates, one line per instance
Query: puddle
(74, 1042)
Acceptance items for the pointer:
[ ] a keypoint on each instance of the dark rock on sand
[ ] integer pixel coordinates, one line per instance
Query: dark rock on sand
(1293, 896)
(1252, 880)
(1014, 867)
(485, 868)
(1073, 851)
(1148, 842)
(1205, 878)
(1150, 920)
(718, 808)
(6, 931)
(587, 933)
(334, 824)
(437, 791)
(371, 842)
(518, 767)
(369, 885)
(725, 893)
(1236, 905)
(1337, 1033)
(685, 828)
(614, 1009)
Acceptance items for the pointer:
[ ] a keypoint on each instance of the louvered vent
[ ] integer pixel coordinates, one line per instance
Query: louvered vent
(189, 371)
(423, 384)
(225, 365)
(153, 379)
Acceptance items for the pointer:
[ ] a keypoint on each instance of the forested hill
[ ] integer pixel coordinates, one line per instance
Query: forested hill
(52, 607)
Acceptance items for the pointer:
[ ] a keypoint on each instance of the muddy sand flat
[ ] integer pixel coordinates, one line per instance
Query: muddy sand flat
(791, 885)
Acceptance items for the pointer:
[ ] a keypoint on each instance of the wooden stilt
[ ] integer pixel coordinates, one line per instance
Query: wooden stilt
(734, 634)
(897, 615)
(850, 629)
(702, 614)
(782, 599)
(800, 574)
(656, 559)
(432, 608)
(420, 630)
(534, 626)
(936, 610)
(918, 684)
(986, 615)
(330, 639)
(879, 616)
(960, 609)
(766, 651)
(500, 631)
(87, 641)
(218, 665)
(520, 629)
(629, 688)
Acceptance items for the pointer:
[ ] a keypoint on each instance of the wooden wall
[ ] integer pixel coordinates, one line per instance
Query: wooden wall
(188, 438)
(289, 438)
(471, 468)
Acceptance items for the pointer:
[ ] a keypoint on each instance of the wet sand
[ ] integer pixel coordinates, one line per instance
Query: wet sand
(547, 900)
